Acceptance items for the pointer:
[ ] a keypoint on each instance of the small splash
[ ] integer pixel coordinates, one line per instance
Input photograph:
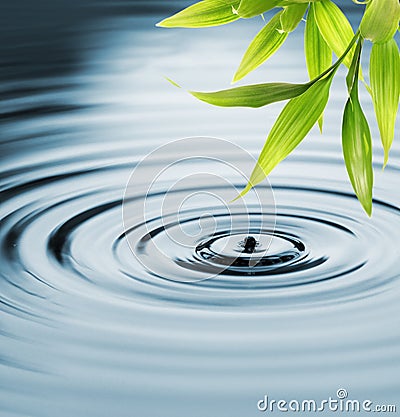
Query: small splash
(249, 244)
(238, 253)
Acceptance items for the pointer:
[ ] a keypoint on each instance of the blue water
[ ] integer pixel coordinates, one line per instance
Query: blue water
(89, 329)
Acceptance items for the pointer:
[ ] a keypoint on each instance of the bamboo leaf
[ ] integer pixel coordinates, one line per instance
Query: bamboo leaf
(352, 75)
(292, 16)
(262, 47)
(356, 141)
(256, 95)
(293, 124)
(334, 27)
(380, 21)
(385, 85)
(205, 13)
(251, 8)
(317, 51)
(290, 2)
(284, 3)
(357, 151)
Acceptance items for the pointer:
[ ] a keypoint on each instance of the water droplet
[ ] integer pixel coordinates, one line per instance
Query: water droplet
(249, 244)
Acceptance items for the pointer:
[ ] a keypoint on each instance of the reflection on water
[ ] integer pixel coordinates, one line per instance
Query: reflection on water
(86, 330)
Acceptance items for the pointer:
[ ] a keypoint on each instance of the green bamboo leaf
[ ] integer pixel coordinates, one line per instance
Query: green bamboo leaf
(205, 13)
(317, 51)
(284, 3)
(292, 16)
(262, 47)
(251, 8)
(356, 140)
(293, 124)
(334, 27)
(357, 151)
(380, 21)
(384, 70)
(256, 95)
(352, 75)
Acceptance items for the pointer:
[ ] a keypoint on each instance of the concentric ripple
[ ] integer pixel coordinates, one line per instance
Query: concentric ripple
(72, 276)
(73, 241)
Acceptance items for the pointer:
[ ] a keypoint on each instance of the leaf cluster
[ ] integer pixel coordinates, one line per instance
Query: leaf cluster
(327, 32)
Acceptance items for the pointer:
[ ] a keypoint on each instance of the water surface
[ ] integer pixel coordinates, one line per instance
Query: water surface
(86, 329)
